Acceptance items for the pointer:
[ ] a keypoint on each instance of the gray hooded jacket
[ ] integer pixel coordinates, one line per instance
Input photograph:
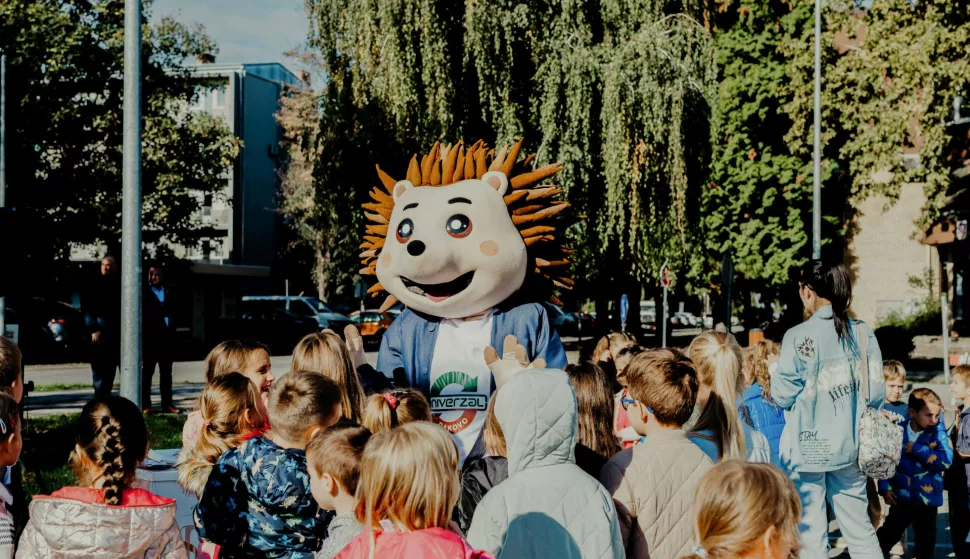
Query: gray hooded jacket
(548, 507)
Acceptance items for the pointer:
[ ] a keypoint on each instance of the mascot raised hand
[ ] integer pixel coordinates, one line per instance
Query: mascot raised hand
(469, 242)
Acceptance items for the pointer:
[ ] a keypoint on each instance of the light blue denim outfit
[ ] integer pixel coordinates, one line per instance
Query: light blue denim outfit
(817, 382)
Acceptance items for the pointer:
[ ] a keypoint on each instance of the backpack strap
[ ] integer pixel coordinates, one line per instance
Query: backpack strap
(864, 359)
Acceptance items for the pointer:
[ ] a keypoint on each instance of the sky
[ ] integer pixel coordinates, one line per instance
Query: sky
(244, 30)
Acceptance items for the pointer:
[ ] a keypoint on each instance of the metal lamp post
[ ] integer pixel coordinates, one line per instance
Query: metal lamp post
(131, 211)
(817, 172)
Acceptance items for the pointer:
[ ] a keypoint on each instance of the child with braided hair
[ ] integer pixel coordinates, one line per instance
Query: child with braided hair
(104, 516)
(394, 407)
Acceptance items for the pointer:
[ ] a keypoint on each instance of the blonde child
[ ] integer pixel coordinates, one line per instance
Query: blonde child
(395, 407)
(719, 429)
(895, 375)
(257, 501)
(247, 357)
(482, 474)
(746, 510)
(325, 353)
(956, 477)
(333, 458)
(232, 412)
(112, 440)
(407, 490)
(757, 408)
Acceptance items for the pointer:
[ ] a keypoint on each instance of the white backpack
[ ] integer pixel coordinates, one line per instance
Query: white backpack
(880, 437)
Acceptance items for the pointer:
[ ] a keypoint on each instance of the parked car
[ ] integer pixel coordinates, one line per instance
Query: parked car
(309, 307)
(47, 331)
(268, 322)
(565, 323)
(371, 324)
(648, 311)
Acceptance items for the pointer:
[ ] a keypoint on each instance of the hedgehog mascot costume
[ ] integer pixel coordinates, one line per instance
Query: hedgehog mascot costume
(467, 242)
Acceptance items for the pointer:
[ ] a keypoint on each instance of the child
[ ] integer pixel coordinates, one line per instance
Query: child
(333, 459)
(482, 474)
(651, 506)
(12, 382)
(408, 488)
(719, 429)
(956, 479)
(104, 515)
(10, 445)
(606, 352)
(746, 510)
(625, 434)
(597, 444)
(757, 408)
(395, 407)
(234, 356)
(916, 492)
(536, 409)
(325, 353)
(232, 412)
(257, 501)
(895, 375)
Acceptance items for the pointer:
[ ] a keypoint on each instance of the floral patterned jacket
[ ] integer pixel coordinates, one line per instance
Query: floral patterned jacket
(257, 503)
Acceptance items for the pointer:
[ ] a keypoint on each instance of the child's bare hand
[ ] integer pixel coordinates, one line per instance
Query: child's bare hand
(889, 497)
(908, 447)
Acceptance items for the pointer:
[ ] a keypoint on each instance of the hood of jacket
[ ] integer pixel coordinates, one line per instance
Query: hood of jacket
(537, 412)
(75, 522)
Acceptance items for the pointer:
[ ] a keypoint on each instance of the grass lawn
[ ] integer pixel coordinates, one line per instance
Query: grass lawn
(50, 439)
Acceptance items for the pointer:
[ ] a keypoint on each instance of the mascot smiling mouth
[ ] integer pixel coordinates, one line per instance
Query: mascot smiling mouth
(440, 291)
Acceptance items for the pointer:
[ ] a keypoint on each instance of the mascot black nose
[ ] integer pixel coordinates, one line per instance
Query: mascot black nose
(415, 248)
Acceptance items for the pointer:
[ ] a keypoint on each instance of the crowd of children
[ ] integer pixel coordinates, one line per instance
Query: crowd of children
(662, 453)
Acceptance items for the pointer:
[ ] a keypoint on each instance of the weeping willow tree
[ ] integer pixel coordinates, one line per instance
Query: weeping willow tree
(618, 91)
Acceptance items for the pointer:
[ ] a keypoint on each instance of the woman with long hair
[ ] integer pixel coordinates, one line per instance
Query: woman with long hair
(818, 380)
(719, 430)
(597, 443)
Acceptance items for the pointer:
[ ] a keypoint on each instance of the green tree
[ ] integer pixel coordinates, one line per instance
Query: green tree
(619, 91)
(65, 82)
(888, 91)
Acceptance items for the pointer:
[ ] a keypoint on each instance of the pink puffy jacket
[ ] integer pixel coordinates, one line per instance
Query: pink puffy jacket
(432, 543)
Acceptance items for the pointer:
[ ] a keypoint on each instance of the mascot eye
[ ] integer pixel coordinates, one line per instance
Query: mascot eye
(405, 230)
(459, 226)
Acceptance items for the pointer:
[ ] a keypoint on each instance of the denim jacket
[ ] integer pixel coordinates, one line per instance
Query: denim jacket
(408, 345)
(818, 383)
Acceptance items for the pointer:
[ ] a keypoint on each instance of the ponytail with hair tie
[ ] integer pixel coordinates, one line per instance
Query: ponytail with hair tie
(700, 552)
(390, 399)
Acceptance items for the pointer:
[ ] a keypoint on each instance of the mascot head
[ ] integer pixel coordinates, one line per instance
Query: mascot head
(464, 231)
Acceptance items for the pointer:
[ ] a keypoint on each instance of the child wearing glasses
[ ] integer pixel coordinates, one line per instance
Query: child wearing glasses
(653, 483)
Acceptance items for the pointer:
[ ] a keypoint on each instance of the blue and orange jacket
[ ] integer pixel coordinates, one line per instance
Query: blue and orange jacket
(919, 476)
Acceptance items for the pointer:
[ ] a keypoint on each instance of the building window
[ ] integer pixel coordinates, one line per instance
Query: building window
(219, 98)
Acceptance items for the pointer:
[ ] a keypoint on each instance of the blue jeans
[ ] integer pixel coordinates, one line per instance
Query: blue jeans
(845, 489)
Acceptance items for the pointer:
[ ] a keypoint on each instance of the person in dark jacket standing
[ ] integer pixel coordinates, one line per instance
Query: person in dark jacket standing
(159, 335)
(102, 317)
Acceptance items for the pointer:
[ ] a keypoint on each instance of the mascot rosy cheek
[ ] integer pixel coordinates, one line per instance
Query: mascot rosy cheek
(466, 242)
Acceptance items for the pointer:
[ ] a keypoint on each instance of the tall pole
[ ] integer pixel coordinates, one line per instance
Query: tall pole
(817, 173)
(3, 169)
(131, 212)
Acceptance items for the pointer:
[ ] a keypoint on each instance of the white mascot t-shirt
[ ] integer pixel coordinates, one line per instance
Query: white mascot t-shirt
(461, 382)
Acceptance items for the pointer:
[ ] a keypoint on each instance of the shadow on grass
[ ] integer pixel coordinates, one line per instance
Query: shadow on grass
(49, 440)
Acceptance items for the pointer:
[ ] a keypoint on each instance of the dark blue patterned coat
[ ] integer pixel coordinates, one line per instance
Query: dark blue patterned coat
(257, 503)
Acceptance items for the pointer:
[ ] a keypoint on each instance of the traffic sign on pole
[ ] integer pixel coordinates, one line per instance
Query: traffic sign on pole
(624, 311)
